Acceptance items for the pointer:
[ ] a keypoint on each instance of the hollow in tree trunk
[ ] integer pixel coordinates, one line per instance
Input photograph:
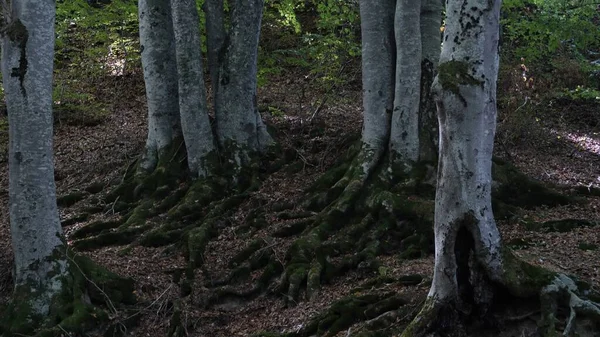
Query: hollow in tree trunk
(473, 272)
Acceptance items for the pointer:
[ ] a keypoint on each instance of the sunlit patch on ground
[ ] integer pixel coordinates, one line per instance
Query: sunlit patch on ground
(584, 142)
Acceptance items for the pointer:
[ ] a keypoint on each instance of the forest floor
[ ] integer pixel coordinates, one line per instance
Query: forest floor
(563, 151)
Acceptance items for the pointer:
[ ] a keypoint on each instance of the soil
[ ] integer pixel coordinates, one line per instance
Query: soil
(568, 157)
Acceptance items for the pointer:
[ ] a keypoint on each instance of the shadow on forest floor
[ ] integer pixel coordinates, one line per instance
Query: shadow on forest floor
(93, 158)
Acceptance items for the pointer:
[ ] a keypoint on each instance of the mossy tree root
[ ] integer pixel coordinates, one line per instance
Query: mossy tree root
(90, 300)
(198, 234)
(520, 280)
(512, 187)
(375, 307)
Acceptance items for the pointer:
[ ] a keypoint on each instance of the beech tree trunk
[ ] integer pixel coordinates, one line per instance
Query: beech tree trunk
(404, 137)
(431, 40)
(193, 110)
(378, 67)
(400, 48)
(240, 130)
(38, 246)
(160, 75)
(215, 37)
(466, 101)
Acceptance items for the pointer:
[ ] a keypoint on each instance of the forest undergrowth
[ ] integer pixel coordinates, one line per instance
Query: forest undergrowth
(265, 260)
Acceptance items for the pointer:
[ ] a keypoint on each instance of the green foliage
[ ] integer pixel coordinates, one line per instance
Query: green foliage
(581, 93)
(93, 43)
(535, 29)
(96, 38)
(319, 35)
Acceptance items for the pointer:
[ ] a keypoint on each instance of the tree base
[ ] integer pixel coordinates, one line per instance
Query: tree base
(89, 301)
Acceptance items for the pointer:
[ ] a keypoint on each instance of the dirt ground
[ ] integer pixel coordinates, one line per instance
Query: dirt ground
(568, 155)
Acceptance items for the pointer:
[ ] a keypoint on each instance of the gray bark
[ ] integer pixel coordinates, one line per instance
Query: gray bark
(215, 37)
(196, 128)
(465, 95)
(240, 129)
(431, 21)
(160, 76)
(378, 50)
(404, 137)
(27, 63)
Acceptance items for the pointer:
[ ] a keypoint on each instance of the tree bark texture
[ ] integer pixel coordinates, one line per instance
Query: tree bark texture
(401, 45)
(431, 39)
(404, 136)
(27, 64)
(465, 91)
(193, 110)
(240, 129)
(215, 37)
(378, 64)
(160, 75)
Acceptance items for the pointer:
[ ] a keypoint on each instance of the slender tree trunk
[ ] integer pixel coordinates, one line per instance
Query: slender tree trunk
(378, 64)
(195, 124)
(215, 33)
(240, 129)
(431, 21)
(404, 138)
(27, 63)
(465, 95)
(401, 46)
(160, 76)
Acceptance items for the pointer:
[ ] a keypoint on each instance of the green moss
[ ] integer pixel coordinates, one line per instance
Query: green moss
(410, 280)
(292, 229)
(75, 219)
(160, 237)
(521, 278)
(116, 238)
(453, 74)
(94, 228)
(140, 214)
(70, 199)
(421, 324)
(245, 253)
(94, 188)
(349, 310)
(69, 311)
(519, 243)
(197, 240)
(587, 246)
(560, 226)
(514, 188)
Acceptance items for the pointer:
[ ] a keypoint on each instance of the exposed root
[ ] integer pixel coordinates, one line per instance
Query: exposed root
(378, 309)
(519, 281)
(91, 298)
(512, 187)
(563, 290)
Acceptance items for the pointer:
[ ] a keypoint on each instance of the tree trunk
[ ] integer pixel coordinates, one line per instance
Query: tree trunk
(215, 37)
(401, 45)
(240, 129)
(404, 137)
(27, 63)
(160, 75)
(378, 64)
(431, 21)
(466, 101)
(196, 128)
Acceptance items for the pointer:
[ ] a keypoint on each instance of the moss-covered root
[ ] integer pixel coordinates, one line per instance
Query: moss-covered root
(433, 320)
(512, 187)
(554, 290)
(304, 262)
(350, 310)
(564, 289)
(90, 298)
(176, 325)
